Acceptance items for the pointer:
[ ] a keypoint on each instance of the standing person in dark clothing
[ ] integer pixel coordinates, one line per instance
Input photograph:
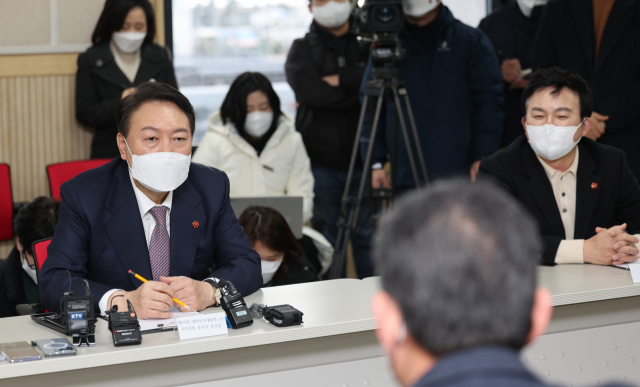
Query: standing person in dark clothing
(453, 78)
(18, 281)
(122, 56)
(512, 30)
(325, 69)
(598, 39)
(281, 256)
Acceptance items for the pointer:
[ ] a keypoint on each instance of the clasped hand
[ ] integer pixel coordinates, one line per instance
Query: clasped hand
(611, 246)
(154, 298)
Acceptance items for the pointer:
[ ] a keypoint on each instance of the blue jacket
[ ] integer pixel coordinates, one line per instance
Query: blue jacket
(100, 237)
(456, 91)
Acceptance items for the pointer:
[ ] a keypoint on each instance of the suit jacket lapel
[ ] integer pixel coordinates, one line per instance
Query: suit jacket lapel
(583, 17)
(620, 15)
(125, 228)
(188, 223)
(586, 192)
(540, 189)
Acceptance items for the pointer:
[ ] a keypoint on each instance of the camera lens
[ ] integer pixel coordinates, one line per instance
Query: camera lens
(386, 14)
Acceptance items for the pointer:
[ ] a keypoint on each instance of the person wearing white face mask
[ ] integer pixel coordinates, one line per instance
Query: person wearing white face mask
(282, 258)
(583, 194)
(18, 280)
(121, 57)
(325, 68)
(150, 211)
(255, 144)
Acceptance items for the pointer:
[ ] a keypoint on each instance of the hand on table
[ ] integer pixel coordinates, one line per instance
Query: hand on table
(197, 295)
(601, 248)
(151, 300)
(624, 244)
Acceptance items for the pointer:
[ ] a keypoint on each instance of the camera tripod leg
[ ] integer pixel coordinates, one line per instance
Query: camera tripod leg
(350, 208)
(416, 138)
(405, 135)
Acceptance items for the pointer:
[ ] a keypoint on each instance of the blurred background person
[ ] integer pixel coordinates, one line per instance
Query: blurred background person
(512, 30)
(255, 144)
(18, 282)
(455, 85)
(122, 56)
(325, 70)
(598, 39)
(282, 258)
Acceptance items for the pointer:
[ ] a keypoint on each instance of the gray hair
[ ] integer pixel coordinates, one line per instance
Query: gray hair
(460, 260)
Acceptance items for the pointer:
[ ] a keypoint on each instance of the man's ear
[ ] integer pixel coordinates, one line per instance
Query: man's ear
(19, 245)
(389, 320)
(122, 146)
(310, 7)
(586, 126)
(524, 125)
(540, 314)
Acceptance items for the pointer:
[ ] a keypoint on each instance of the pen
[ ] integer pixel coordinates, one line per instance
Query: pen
(141, 278)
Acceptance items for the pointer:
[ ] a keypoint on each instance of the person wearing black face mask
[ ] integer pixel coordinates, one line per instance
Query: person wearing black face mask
(18, 281)
(325, 69)
(453, 78)
(512, 30)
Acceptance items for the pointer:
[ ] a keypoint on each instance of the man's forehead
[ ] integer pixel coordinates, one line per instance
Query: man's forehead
(160, 115)
(551, 97)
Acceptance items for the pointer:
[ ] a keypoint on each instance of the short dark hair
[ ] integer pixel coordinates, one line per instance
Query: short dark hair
(35, 221)
(559, 78)
(113, 16)
(151, 92)
(460, 260)
(234, 106)
(268, 226)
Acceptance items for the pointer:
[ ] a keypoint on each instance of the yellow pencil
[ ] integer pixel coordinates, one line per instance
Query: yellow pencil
(141, 278)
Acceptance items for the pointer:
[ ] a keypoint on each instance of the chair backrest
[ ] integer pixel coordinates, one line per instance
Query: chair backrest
(40, 253)
(6, 203)
(61, 172)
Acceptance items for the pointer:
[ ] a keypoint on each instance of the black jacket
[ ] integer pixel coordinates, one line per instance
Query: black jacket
(512, 35)
(327, 116)
(11, 284)
(613, 199)
(488, 366)
(99, 86)
(299, 272)
(566, 38)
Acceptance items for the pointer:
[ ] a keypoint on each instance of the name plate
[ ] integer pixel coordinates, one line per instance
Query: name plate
(203, 325)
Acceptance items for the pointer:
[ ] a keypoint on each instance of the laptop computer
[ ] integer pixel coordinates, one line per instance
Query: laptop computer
(289, 206)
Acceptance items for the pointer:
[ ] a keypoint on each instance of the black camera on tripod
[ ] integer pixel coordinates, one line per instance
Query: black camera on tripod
(377, 23)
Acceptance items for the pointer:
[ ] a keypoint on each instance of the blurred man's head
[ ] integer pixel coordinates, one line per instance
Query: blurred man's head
(35, 221)
(458, 266)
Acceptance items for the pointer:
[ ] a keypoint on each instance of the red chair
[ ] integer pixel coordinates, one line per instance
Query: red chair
(61, 172)
(6, 203)
(40, 253)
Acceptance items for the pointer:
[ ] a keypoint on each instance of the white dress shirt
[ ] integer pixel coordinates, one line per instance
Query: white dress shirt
(148, 223)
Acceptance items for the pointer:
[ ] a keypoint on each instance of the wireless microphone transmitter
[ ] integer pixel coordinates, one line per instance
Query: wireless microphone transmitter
(124, 326)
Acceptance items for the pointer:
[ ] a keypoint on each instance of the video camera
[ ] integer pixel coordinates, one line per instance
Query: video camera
(377, 23)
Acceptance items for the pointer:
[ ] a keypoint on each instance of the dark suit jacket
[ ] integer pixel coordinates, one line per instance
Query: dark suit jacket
(11, 285)
(613, 200)
(99, 86)
(100, 236)
(489, 366)
(566, 38)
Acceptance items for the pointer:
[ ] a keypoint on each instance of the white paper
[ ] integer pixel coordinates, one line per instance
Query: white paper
(152, 323)
(634, 268)
(203, 325)
(626, 265)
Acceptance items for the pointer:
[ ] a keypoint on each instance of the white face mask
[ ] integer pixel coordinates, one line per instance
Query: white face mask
(526, 6)
(269, 269)
(258, 123)
(552, 142)
(129, 42)
(31, 271)
(160, 171)
(417, 8)
(333, 14)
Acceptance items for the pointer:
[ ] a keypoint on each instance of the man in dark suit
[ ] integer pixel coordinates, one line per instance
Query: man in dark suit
(459, 296)
(150, 211)
(599, 41)
(575, 187)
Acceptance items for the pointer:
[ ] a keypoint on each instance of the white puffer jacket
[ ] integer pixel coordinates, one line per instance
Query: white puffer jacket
(283, 167)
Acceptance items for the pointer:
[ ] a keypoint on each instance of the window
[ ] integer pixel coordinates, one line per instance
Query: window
(216, 40)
